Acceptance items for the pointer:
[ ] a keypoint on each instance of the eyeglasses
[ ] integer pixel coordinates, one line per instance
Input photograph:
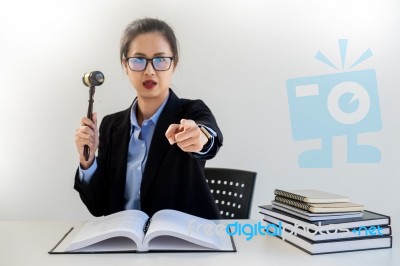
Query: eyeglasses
(158, 63)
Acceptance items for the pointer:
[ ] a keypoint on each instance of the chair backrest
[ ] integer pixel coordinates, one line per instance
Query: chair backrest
(232, 190)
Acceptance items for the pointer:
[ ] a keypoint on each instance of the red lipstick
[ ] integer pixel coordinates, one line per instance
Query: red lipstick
(149, 84)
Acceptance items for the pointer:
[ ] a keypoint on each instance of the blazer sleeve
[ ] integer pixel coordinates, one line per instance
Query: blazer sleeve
(198, 111)
(93, 194)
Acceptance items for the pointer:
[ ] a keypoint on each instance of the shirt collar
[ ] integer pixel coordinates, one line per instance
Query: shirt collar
(154, 118)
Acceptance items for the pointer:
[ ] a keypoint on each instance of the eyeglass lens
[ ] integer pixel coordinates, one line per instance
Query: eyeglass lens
(140, 63)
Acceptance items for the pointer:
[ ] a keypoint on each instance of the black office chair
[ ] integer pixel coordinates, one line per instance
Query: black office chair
(232, 190)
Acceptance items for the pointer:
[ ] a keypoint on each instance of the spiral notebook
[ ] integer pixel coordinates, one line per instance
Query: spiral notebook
(311, 196)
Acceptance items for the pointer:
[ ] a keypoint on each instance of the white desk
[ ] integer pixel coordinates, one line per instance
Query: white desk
(27, 243)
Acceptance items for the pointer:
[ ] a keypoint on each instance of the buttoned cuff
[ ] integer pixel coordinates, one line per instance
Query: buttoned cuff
(86, 175)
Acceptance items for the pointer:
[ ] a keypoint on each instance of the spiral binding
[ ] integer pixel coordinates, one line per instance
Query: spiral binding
(293, 203)
(289, 195)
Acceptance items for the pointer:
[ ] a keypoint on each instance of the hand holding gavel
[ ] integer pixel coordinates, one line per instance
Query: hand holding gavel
(87, 134)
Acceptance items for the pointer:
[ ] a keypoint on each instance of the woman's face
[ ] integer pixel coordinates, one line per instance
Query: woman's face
(150, 84)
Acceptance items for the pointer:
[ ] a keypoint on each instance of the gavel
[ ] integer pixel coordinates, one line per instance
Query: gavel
(91, 80)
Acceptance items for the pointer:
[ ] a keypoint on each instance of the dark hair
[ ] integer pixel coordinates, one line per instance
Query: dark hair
(147, 25)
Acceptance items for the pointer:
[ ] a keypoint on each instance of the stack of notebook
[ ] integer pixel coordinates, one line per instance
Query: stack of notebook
(319, 222)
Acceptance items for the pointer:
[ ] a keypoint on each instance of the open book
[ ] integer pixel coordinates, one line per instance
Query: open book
(134, 231)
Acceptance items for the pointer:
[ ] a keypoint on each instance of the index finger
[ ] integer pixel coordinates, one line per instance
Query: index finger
(171, 131)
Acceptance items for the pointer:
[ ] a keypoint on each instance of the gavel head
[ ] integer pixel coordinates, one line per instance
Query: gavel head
(94, 78)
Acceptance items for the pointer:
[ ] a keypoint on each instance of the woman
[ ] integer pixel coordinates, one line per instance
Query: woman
(152, 155)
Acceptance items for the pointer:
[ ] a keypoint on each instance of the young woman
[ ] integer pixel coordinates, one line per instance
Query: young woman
(151, 156)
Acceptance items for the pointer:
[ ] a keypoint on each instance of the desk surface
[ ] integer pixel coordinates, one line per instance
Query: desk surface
(27, 243)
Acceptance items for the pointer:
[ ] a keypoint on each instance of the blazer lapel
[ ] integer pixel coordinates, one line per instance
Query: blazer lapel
(159, 144)
(119, 151)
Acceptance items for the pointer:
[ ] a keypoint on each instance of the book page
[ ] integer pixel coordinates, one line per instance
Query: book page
(127, 223)
(111, 245)
(314, 216)
(170, 243)
(183, 226)
(337, 205)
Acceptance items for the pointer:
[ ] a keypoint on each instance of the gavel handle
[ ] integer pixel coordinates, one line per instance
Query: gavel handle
(86, 150)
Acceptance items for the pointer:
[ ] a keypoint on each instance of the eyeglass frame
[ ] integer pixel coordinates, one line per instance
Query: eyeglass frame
(147, 62)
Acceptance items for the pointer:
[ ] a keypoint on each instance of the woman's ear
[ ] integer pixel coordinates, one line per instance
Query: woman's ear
(125, 66)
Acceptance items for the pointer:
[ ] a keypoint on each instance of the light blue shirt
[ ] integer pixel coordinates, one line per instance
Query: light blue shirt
(139, 146)
(138, 150)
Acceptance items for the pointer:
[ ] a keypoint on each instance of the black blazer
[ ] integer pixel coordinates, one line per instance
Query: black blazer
(172, 179)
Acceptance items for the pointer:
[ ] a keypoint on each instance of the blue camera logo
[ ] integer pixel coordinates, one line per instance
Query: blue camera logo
(325, 106)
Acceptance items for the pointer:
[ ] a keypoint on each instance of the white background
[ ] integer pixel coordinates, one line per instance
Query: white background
(235, 55)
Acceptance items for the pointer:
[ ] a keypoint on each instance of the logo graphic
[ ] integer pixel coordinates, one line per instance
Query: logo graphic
(344, 103)
(283, 230)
